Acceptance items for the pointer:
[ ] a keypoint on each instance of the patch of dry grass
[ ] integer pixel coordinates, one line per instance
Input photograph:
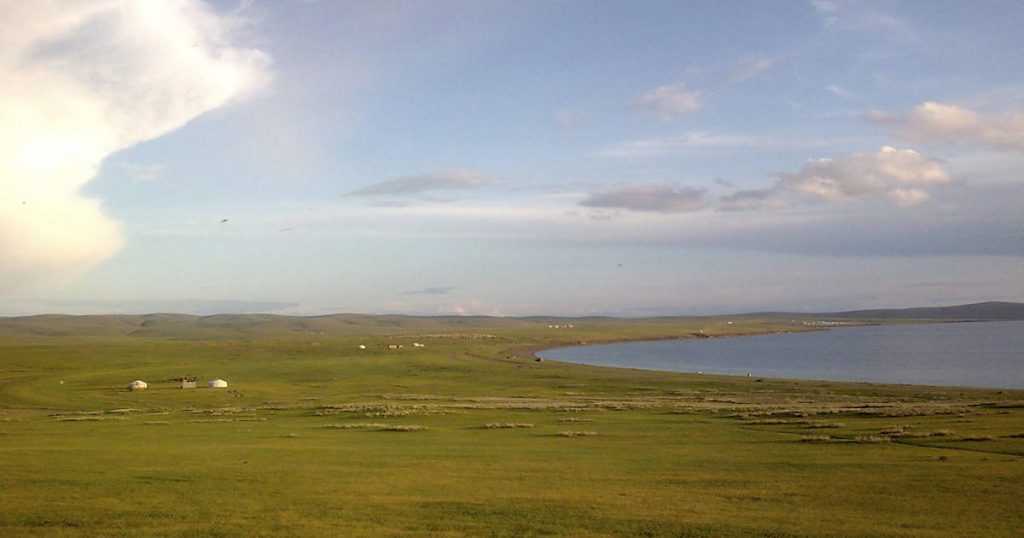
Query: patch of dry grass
(876, 439)
(823, 425)
(376, 426)
(356, 425)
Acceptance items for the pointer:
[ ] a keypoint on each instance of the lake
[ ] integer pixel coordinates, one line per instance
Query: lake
(984, 354)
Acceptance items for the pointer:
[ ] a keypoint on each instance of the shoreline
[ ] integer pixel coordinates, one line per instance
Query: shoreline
(533, 352)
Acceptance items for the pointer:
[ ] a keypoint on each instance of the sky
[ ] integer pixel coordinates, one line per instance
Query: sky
(505, 158)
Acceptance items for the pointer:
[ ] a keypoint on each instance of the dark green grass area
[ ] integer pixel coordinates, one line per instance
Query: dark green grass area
(316, 437)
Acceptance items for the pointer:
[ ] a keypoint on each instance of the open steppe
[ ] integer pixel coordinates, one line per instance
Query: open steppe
(470, 436)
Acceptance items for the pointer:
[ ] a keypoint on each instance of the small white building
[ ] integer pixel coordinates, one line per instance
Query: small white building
(217, 384)
(138, 384)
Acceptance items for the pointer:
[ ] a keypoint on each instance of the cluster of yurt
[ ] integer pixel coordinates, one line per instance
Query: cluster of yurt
(139, 384)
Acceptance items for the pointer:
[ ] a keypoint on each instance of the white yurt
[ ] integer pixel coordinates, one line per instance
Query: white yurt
(138, 384)
(217, 384)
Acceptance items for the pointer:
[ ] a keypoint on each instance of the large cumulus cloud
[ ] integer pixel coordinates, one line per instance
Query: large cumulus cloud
(84, 79)
(937, 122)
(900, 174)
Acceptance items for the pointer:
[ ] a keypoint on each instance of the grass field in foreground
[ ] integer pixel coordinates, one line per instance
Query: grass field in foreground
(469, 436)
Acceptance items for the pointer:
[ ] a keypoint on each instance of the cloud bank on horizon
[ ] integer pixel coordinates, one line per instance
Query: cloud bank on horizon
(83, 80)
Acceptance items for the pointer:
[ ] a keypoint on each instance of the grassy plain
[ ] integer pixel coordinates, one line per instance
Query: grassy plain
(469, 436)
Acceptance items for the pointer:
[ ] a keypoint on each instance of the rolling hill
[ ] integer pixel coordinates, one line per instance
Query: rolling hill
(277, 326)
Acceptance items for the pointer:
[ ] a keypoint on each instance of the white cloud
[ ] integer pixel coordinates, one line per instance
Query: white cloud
(750, 199)
(658, 198)
(909, 197)
(840, 91)
(704, 140)
(568, 117)
(82, 80)
(750, 67)
(897, 173)
(674, 145)
(445, 180)
(142, 172)
(936, 122)
(858, 16)
(436, 290)
(668, 102)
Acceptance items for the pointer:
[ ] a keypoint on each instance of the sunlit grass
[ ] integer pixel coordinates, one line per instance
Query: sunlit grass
(461, 439)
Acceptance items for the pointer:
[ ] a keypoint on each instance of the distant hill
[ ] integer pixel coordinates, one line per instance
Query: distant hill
(227, 326)
(990, 311)
(244, 325)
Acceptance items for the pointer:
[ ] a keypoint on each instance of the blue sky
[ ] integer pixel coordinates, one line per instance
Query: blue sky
(510, 158)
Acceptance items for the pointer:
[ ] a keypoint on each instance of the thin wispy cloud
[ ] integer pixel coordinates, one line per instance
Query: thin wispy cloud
(751, 199)
(857, 16)
(668, 102)
(752, 66)
(85, 80)
(674, 145)
(142, 173)
(840, 91)
(446, 180)
(937, 122)
(437, 290)
(568, 117)
(686, 143)
(656, 198)
(198, 307)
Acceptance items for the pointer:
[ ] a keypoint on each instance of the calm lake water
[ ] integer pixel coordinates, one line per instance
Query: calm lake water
(989, 354)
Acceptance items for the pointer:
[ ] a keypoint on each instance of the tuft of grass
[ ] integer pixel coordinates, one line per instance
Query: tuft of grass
(219, 420)
(401, 428)
(911, 435)
(816, 425)
(569, 433)
(356, 425)
(157, 423)
(814, 438)
(507, 425)
(575, 419)
(775, 422)
(877, 439)
(89, 418)
(975, 438)
(375, 426)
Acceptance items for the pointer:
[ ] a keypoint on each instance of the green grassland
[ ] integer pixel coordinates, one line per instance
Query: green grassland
(469, 436)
